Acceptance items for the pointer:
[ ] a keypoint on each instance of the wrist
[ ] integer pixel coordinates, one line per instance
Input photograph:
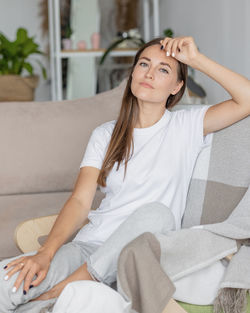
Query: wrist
(46, 251)
(198, 61)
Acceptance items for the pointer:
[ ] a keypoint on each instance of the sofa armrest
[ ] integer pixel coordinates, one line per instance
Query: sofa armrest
(27, 233)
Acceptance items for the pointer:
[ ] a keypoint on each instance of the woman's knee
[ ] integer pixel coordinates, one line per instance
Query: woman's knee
(156, 214)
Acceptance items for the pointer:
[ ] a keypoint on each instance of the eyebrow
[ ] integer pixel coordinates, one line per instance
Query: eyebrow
(162, 63)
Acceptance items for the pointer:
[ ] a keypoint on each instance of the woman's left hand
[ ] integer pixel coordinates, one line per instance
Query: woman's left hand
(183, 49)
(53, 292)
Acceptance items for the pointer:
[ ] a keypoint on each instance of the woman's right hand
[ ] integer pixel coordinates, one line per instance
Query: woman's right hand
(29, 266)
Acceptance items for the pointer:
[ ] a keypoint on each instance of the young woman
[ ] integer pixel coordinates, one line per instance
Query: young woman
(146, 156)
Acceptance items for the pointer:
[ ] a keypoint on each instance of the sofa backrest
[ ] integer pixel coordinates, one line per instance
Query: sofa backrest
(42, 143)
(221, 175)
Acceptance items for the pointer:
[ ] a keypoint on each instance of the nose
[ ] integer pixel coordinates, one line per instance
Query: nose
(149, 73)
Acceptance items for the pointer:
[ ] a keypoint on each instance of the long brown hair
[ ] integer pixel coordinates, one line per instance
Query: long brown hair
(121, 142)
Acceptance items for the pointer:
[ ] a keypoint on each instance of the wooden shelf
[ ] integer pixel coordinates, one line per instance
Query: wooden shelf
(99, 50)
(96, 53)
(55, 42)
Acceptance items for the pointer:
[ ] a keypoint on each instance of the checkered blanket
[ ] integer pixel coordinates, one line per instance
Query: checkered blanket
(219, 199)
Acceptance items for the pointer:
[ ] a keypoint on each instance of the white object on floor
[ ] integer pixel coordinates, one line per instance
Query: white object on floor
(90, 297)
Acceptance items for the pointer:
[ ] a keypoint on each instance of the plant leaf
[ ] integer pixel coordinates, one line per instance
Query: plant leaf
(3, 65)
(17, 66)
(13, 55)
(3, 39)
(42, 68)
(168, 33)
(8, 48)
(29, 47)
(111, 47)
(28, 67)
(21, 35)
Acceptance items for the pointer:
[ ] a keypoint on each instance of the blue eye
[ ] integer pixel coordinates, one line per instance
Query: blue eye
(143, 64)
(163, 70)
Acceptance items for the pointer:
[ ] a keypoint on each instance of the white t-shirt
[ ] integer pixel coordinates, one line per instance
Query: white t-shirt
(159, 170)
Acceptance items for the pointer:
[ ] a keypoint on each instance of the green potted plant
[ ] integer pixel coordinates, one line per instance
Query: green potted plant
(14, 86)
(66, 40)
(168, 32)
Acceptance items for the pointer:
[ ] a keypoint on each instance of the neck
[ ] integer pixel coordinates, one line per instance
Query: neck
(149, 113)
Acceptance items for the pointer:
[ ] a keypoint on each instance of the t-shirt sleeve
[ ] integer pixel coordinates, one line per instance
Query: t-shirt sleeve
(96, 148)
(195, 125)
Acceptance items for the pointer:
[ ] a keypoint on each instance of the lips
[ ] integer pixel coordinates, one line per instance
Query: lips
(146, 85)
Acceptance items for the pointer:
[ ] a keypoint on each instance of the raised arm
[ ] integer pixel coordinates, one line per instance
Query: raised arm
(71, 217)
(224, 113)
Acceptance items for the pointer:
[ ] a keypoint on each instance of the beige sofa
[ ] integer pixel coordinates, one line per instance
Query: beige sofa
(42, 145)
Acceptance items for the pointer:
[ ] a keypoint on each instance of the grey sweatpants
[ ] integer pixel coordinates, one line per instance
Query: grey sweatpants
(101, 260)
(152, 217)
(67, 259)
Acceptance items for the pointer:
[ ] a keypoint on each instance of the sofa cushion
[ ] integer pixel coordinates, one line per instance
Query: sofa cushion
(42, 143)
(18, 208)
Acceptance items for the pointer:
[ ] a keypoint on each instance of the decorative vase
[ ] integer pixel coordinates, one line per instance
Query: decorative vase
(81, 45)
(67, 44)
(95, 41)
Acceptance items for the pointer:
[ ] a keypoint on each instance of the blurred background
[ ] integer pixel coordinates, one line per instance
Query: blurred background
(221, 29)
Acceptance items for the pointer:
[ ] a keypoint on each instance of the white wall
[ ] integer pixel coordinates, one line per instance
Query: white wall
(24, 13)
(221, 29)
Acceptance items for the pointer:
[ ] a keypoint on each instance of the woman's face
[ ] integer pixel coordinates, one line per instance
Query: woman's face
(154, 76)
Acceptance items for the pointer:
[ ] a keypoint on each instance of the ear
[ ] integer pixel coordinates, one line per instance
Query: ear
(177, 88)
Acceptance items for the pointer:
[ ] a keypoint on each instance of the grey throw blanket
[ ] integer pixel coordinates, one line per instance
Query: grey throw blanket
(184, 252)
(237, 279)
